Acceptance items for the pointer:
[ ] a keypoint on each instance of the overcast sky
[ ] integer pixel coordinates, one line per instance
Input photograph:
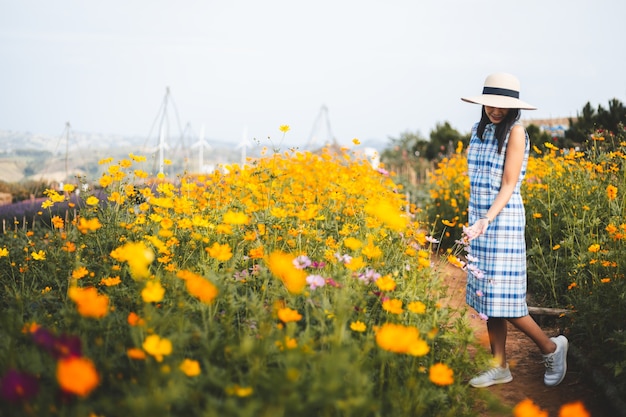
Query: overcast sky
(380, 67)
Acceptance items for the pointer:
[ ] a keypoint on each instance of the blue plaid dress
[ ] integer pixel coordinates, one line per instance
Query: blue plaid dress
(500, 253)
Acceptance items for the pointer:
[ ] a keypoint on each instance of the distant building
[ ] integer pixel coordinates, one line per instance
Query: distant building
(555, 127)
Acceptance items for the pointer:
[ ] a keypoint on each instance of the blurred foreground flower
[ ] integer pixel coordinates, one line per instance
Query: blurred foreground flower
(157, 347)
(190, 367)
(137, 255)
(281, 265)
(441, 374)
(401, 339)
(88, 302)
(18, 386)
(77, 375)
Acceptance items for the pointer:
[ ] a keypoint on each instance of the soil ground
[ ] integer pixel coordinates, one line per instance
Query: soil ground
(527, 368)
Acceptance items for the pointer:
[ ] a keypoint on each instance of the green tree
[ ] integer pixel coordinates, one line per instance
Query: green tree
(443, 140)
(589, 120)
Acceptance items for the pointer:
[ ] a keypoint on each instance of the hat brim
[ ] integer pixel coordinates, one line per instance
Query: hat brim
(501, 102)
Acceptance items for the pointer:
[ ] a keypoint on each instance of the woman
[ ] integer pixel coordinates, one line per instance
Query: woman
(496, 284)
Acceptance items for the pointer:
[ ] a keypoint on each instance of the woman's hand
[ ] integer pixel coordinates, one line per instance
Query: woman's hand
(477, 228)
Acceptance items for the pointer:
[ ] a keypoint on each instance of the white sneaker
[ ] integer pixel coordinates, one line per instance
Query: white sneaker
(556, 362)
(497, 375)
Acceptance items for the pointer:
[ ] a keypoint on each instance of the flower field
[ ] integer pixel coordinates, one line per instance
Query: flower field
(576, 230)
(300, 284)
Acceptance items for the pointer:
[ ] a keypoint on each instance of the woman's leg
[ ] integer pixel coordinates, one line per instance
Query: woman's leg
(529, 327)
(496, 327)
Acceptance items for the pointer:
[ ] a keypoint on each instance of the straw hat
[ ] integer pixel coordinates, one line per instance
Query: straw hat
(501, 90)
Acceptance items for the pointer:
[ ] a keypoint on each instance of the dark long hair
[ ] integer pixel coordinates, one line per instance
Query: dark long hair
(502, 128)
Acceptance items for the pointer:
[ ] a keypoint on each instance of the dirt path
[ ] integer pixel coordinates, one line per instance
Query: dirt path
(527, 367)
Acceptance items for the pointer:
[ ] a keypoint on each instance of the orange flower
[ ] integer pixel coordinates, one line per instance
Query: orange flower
(134, 320)
(88, 302)
(135, 353)
(286, 315)
(198, 286)
(527, 408)
(575, 409)
(401, 339)
(88, 225)
(77, 375)
(440, 374)
(611, 192)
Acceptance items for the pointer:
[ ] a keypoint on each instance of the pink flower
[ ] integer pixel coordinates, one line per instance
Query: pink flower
(315, 281)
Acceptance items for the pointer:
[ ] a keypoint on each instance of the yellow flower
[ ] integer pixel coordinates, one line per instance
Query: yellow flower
(356, 141)
(440, 374)
(4, 252)
(556, 247)
(284, 128)
(80, 272)
(372, 251)
(77, 375)
(220, 252)
(417, 307)
(239, 391)
(39, 256)
(157, 347)
(611, 192)
(137, 255)
(387, 213)
(88, 302)
(455, 261)
(153, 292)
(190, 367)
(287, 315)
(393, 306)
(47, 204)
(594, 248)
(527, 408)
(92, 200)
(355, 264)
(386, 283)
(357, 326)
(448, 223)
(352, 243)
(235, 218)
(281, 265)
(537, 215)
